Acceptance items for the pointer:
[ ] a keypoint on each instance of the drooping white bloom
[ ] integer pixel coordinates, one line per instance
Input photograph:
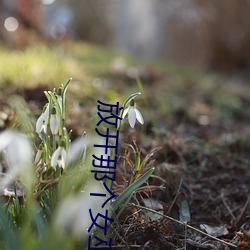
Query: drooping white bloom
(17, 146)
(54, 121)
(73, 214)
(17, 152)
(80, 150)
(133, 114)
(42, 122)
(59, 157)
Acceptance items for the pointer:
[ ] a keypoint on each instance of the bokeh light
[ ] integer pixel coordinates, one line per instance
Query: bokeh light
(58, 31)
(11, 24)
(48, 2)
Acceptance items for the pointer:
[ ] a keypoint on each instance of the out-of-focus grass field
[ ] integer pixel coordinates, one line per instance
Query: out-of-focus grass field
(38, 65)
(172, 94)
(42, 64)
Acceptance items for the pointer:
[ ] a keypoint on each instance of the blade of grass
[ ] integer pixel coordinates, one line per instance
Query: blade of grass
(11, 239)
(123, 207)
(128, 191)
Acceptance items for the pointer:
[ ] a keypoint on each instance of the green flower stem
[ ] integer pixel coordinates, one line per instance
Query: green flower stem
(65, 87)
(47, 160)
(53, 143)
(47, 140)
(66, 137)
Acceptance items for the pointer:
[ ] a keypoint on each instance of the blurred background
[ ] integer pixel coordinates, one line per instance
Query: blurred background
(212, 34)
(193, 60)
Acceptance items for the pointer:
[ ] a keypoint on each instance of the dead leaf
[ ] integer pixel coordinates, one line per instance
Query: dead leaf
(152, 204)
(155, 205)
(215, 231)
(245, 236)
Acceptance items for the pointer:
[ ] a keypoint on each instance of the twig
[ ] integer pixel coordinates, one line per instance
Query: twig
(122, 246)
(227, 207)
(184, 224)
(173, 202)
(239, 217)
(185, 241)
(48, 185)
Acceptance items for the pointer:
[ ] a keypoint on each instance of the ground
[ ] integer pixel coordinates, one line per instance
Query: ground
(196, 125)
(203, 160)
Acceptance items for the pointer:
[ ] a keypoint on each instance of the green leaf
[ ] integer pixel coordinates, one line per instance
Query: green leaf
(10, 236)
(184, 212)
(39, 222)
(123, 207)
(139, 84)
(65, 87)
(129, 190)
(138, 163)
(132, 96)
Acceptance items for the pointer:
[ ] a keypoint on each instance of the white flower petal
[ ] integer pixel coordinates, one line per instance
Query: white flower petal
(64, 154)
(73, 216)
(42, 121)
(54, 124)
(125, 112)
(38, 156)
(59, 99)
(132, 117)
(55, 156)
(61, 163)
(44, 127)
(77, 148)
(39, 123)
(19, 151)
(46, 113)
(63, 158)
(139, 116)
(59, 157)
(5, 139)
(18, 155)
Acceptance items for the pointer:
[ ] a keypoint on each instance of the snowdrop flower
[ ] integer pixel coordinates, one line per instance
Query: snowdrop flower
(42, 122)
(81, 150)
(78, 148)
(73, 214)
(59, 157)
(133, 114)
(17, 152)
(54, 121)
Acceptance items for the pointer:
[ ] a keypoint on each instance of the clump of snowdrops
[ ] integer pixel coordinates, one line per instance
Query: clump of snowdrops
(47, 179)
